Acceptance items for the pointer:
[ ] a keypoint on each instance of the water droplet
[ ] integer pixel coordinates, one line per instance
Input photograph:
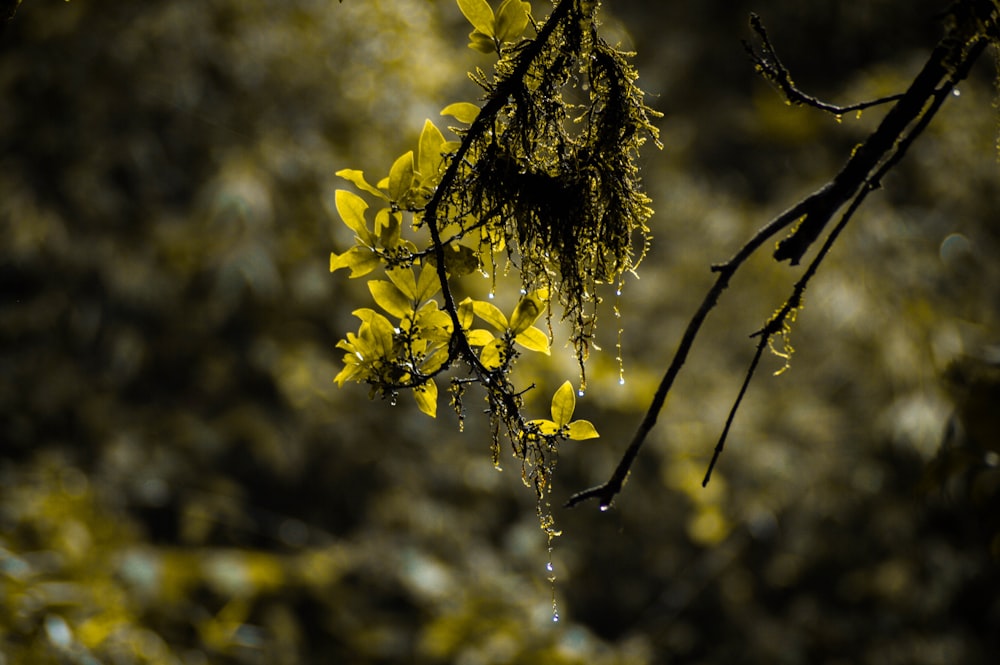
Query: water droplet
(490, 295)
(621, 380)
(956, 92)
(618, 292)
(555, 617)
(548, 566)
(604, 508)
(839, 118)
(579, 393)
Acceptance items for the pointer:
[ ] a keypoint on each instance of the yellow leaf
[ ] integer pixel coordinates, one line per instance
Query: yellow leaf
(351, 209)
(465, 313)
(462, 111)
(490, 313)
(578, 430)
(480, 337)
(563, 404)
(380, 332)
(479, 14)
(429, 157)
(533, 339)
(428, 283)
(479, 41)
(360, 260)
(545, 426)
(404, 281)
(427, 396)
(435, 361)
(512, 18)
(490, 355)
(528, 310)
(390, 298)
(388, 225)
(401, 177)
(358, 179)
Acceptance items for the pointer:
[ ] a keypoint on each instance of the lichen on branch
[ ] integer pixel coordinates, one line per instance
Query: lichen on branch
(543, 179)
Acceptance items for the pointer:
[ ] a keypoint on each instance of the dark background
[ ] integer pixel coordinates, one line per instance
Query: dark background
(181, 482)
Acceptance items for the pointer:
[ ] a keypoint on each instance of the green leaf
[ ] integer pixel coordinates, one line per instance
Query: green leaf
(528, 310)
(401, 177)
(429, 157)
(404, 281)
(351, 209)
(546, 427)
(480, 337)
(563, 404)
(358, 179)
(490, 313)
(512, 18)
(578, 430)
(361, 261)
(426, 395)
(389, 298)
(479, 41)
(462, 111)
(479, 14)
(533, 339)
(490, 355)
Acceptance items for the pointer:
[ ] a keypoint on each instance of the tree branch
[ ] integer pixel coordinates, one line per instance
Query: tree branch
(770, 66)
(948, 63)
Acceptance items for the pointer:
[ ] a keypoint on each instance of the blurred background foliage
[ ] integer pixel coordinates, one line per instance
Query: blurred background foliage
(180, 482)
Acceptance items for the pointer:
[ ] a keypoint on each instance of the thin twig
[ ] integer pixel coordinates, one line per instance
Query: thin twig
(608, 490)
(777, 322)
(863, 171)
(770, 66)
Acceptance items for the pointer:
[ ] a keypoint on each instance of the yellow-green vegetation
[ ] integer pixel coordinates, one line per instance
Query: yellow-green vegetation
(534, 181)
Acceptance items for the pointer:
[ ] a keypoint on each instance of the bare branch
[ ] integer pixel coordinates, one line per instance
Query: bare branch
(770, 66)
(948, 64)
